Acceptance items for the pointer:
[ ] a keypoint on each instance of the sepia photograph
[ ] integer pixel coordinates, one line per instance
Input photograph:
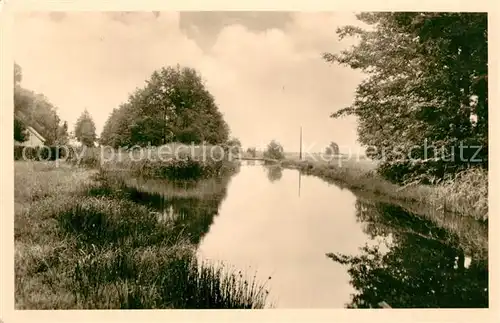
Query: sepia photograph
(250, 160)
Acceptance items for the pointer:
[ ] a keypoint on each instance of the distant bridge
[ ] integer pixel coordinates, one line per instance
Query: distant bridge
(269, 160)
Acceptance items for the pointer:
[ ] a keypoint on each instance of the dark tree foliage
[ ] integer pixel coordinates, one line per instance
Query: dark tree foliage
(333, 148)
(63, 135)
(19, 131)
(234, 145)
(426, 86)
(117, 131)
(85, 129)
(274, 151)
(173, 106)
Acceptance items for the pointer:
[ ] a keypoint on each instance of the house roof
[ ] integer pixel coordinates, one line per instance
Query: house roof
(32, 130)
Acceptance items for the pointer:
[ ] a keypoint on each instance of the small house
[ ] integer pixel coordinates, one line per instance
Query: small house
(33, 139)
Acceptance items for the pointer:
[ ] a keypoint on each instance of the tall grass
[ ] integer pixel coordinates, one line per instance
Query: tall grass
(185, 169)
(171, 151)
(471, 234)
(84, 156)
(465, 194)
(184, 163)
(74, 250)
(147, 261)
(157, 277)
(219, 287)
(103, 222)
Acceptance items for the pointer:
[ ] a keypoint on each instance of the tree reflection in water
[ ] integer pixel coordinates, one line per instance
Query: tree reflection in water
(274, 173)
(424, 266)
(191, 207)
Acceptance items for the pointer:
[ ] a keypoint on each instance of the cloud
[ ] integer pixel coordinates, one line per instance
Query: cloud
(268, 82)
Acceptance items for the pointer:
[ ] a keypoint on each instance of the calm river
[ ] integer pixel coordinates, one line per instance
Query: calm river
(322, 246)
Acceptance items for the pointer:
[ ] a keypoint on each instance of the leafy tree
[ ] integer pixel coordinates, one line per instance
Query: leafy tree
(174, 105)
(426, 83)
(109, 131)
(85, 129)
(333, 148)
(252, 151)
(62, 135)
(274, 151)
(35, 110)
(234, 145)
(119, 127)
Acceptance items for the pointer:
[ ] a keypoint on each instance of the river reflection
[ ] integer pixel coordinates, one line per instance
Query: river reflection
(190, 206)
(424, 266)
(324, 247)
(274, 173)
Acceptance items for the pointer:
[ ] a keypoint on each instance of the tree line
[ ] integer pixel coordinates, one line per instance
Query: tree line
(35, 110)
(173, 106)
(427, 84)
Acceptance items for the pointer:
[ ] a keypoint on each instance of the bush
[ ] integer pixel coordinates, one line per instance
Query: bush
(42, 153)
(424, 172)
(177, 169)
(252, 152)
(84, 156)
(332, 149)
(274, 151)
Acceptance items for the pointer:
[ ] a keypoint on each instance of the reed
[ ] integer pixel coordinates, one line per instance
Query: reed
(465, 194)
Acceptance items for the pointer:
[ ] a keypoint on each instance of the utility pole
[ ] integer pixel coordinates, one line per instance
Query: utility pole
(300, 151)
(300, 177)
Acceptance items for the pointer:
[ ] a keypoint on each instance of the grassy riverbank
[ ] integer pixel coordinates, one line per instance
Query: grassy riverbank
(466, 194)
(173, 160)
(80, 244)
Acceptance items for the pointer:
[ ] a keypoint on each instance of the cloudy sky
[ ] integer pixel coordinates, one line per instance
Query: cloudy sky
(264, 69)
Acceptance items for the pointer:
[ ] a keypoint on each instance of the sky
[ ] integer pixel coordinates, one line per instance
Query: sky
(265, 69)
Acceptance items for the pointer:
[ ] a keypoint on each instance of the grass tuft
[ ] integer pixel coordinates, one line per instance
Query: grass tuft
(466, 193)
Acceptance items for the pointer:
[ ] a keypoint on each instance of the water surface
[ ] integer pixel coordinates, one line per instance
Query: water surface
(322, 246)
